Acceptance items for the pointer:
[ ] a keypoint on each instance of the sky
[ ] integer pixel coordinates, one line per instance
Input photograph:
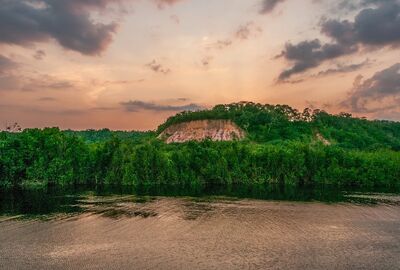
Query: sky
(130, 64)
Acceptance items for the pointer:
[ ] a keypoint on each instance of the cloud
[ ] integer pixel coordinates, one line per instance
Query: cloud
(28, 108)
(163, 3)
(39, 55)
(175, 19)
(220, 44)
(137, 105)
(6, 64)
(45, 82)
(337, 69)
(103, 109)
(8, 81)
(243, 32)
(158, 68)
(20, 82)
(206, 61)
(372, 27)
(340, 68)
(381, 92)
(47, 99)
(247, 30)
(346, 5)
(310, 54)
(69, 22)
(358, 4)
(267, 6)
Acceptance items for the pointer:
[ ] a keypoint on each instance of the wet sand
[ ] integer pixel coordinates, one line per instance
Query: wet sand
(183, 233)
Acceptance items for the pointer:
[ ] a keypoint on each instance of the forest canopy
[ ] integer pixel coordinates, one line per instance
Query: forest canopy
(283, 146)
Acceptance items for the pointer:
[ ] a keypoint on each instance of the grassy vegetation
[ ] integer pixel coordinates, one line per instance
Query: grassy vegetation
(283, 147)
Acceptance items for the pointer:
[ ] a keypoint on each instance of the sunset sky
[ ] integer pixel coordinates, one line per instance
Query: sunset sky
(129, 64)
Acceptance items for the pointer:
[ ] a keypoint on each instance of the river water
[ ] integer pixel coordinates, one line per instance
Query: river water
(87, 230)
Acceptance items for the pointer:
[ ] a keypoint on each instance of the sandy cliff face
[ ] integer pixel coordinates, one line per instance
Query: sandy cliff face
(215, 130)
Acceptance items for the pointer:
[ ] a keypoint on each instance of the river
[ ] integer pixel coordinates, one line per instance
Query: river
(124, 231)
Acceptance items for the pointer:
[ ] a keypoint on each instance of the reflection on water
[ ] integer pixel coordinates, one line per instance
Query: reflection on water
(129, 202)
(120, 229)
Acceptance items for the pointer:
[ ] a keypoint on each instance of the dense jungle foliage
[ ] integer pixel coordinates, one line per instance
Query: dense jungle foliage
(283, 147)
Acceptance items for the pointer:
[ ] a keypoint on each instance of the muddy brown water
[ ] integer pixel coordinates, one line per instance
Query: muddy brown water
(130, 232)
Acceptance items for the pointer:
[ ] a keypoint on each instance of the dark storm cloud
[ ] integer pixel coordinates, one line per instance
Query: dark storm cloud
(6, 64)
(383, 88)
(24, 22)
(137, 105)
(357, 4)
(267, 6)
(373, 26)
(310, 54)
(337, 69)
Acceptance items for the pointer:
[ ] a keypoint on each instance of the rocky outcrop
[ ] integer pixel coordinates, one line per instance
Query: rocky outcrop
(215, 130)
(322, 139)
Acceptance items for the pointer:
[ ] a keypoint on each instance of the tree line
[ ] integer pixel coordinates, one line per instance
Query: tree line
(281, 149)
(51, 157)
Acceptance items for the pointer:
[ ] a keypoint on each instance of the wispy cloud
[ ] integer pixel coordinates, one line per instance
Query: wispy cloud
(39, 55)
(243, 32)
(157, 67)
(206, 61)
(164, 3)
(137, 105)
(47, 99)
(21, 82)
(6, 64)
(342, 68)
(267, 6)
(175, 19)
(248, 30)
(46, 82)
(220, 44)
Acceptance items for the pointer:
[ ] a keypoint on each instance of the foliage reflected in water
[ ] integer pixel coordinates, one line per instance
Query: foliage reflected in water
(134, 202)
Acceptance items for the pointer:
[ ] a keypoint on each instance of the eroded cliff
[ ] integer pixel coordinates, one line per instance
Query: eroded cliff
(215, 130)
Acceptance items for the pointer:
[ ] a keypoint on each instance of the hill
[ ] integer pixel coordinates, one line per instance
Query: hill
(282, 147)
(274, 123)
